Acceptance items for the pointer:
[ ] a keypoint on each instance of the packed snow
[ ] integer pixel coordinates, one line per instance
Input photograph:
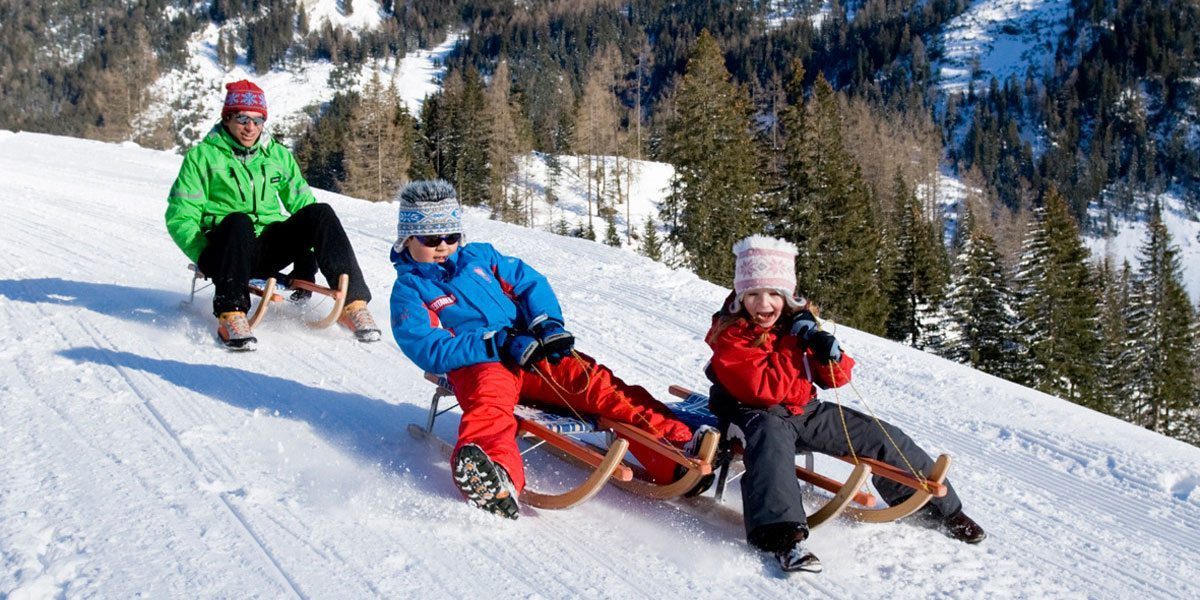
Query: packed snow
(141, 459)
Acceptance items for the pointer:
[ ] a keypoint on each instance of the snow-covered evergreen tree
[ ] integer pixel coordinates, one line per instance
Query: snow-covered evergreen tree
(1164, 331)
(1057, 308)
(980, 323)
(919, 273)
(1118, 358)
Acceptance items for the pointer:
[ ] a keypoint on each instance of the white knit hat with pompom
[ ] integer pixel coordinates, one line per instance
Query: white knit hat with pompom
(765, 263)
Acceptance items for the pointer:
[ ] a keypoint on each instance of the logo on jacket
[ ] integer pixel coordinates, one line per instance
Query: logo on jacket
(483, 274)
(440, 303)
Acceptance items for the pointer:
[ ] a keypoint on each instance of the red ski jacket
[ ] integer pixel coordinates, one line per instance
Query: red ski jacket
(779, 370)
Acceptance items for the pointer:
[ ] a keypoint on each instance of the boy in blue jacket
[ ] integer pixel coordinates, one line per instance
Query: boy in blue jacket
(493, 325)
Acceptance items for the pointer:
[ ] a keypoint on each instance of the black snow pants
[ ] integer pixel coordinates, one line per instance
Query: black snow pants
(771, 497)
(311, 238)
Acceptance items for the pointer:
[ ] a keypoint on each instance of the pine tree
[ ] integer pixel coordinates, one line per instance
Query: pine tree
(612, 237)
(1057, 308)
(651, 243)
(1117, 362)
(714, 192)
(1164, 329)
(504, 144)
(979, 304)
(830, 213)
(919, 276)
(377, 154)
(469, 141)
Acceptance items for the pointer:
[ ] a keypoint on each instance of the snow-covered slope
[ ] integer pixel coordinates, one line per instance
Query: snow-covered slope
(140, 459)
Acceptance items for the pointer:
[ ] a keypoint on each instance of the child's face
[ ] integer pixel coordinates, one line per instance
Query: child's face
(764, 306)
(420, 250)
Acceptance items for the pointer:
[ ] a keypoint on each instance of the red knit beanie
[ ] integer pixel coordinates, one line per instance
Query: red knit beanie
(244, 96)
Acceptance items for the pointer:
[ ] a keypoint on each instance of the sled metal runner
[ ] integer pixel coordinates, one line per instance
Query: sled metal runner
(844, 493)
(557, 435)
(268, 292)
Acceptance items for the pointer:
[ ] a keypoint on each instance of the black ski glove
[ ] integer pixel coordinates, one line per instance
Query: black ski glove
(824, 346)
(518, 348)
(804, 324)
(556, 341)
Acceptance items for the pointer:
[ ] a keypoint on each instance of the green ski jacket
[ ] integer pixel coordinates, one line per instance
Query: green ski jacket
(220, 176)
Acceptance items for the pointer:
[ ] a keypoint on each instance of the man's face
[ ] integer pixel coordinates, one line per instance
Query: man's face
(245, 126)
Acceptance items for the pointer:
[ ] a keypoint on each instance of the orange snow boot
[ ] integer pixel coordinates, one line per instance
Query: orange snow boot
(358, 319)
(234, 331)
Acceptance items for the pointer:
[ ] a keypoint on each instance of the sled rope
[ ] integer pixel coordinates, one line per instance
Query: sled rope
(837, 397)
(560, 391)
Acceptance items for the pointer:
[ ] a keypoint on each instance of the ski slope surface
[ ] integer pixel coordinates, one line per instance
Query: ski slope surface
(141, 459)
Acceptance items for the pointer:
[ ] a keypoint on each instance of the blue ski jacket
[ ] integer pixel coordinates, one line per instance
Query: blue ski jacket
(444, 315)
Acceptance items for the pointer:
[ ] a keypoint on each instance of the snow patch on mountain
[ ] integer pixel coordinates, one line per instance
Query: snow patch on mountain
(999, 38)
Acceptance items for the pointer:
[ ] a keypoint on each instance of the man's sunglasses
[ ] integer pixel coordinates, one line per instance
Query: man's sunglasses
(247, 119)
(433, 241)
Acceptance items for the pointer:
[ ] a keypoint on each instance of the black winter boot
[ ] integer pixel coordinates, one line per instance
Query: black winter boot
(962, 528)
(957, 526)
(797, 557)
(484, 483)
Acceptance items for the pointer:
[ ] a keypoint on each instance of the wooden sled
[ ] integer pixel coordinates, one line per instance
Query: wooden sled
(269, 293)
(695, 407)
(559, 435)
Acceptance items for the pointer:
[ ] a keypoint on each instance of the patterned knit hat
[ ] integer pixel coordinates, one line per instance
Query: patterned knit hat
(427, 208)
(765, 263)
(243, 96)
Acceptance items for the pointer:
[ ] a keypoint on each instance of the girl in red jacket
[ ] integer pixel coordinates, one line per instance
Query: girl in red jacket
(769, 358)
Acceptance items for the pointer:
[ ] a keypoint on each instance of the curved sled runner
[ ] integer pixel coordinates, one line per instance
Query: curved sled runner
(559, 435)
(269, 293)
(695, 407)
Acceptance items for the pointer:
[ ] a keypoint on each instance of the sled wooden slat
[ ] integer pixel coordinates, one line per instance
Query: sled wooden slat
(837, 487)
(937, 489)
(268, 295)
(338, 295)
(577, 451)
(656, 445)
(841, 500)
(691, 477)
(908, 507)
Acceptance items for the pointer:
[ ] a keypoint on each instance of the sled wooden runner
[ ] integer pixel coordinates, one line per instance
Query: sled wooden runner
(267, 291)
(556, 434)
(847, 492)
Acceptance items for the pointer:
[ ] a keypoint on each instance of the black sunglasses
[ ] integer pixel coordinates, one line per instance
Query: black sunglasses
(433, 241)
(247, 119)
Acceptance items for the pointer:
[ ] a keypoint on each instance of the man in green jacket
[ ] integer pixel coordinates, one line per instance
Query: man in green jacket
(225, 211)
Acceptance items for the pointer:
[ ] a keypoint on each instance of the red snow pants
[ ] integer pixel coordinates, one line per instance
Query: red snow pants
(487, 393)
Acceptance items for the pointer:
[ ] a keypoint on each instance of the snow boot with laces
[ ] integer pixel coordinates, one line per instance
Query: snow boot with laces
(484, 483)
(234, 331)
(358, 319)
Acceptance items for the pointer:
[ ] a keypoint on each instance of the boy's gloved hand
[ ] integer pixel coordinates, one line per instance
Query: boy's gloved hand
(518, 348)
(556, 341)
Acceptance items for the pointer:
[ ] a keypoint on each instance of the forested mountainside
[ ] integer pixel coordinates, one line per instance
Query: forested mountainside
(829, 124)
